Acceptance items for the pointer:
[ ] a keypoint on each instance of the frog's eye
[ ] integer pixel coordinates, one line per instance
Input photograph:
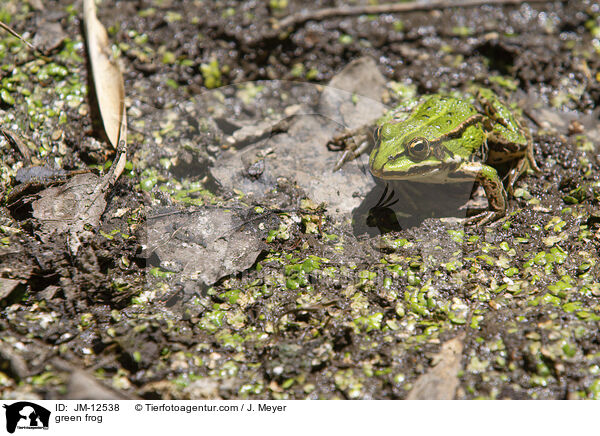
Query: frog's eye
(418, 149)
(377, 134)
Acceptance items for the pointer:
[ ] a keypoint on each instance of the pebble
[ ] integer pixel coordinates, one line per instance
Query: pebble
(56, 135)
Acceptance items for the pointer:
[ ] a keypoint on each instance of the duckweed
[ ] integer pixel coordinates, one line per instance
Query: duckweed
(395, 306)
(211, 74)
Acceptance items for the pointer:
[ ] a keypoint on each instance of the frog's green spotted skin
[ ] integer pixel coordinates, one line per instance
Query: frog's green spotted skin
(509, 138)
(448, 139)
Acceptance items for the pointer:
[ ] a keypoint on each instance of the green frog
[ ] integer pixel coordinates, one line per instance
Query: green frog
(448, 139)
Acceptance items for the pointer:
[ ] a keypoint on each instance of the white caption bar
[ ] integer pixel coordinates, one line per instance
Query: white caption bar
(265, 418)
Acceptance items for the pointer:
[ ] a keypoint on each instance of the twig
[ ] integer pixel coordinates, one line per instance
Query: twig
(295, 20)
(118, 164)
(16, 35)
(27, 43)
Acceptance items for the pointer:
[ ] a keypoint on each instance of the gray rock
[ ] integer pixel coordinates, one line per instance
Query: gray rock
(301, 155)
(207, 244)
(49, 36)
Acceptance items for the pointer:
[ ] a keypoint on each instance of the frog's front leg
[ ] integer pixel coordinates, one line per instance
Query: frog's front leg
(354, 142)
(487, 177)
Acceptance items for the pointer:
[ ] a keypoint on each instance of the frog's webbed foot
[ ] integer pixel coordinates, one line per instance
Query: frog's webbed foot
(353, 142)
(527, 162)
(487, 177)
(350, 155)
(484, 218)
(524, 164)
(514, 174)
(531, 161)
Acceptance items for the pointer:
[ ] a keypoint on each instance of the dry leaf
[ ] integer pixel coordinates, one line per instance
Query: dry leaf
(208, 244)
(70, 208)
(108, 81)
(77, 206)
(441, 381)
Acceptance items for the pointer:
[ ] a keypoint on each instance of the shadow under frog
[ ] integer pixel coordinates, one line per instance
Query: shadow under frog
(398, 205)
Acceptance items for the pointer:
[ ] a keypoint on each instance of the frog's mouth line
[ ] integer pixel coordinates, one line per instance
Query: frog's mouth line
(433, 173)
(415, 171)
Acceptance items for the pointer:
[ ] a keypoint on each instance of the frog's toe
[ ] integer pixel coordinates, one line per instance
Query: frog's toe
(517, 171)
(484, 218)
(345, 157)
(534, 166)
(350, 154)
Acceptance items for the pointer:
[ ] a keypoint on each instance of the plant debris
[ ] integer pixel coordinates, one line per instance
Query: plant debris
(320, 284)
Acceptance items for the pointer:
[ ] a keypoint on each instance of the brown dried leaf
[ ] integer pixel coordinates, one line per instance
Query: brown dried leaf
(108, 81)
(441, 381)
(70, 208)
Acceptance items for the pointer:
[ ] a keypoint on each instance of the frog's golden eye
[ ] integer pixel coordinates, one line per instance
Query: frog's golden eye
(377, 134)
(418, 149)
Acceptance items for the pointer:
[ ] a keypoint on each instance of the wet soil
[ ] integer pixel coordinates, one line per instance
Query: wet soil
(361, 300)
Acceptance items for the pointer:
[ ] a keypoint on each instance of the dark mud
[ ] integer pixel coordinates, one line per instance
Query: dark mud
(329, 308)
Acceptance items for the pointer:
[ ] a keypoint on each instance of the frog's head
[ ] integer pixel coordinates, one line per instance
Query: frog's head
(402, 157)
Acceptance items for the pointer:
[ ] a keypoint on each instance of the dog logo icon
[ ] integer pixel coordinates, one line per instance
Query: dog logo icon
(26, 415)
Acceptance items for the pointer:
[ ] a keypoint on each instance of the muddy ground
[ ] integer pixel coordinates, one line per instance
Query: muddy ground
(233, 267)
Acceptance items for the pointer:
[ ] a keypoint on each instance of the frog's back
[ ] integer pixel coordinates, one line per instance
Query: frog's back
(438, 116)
